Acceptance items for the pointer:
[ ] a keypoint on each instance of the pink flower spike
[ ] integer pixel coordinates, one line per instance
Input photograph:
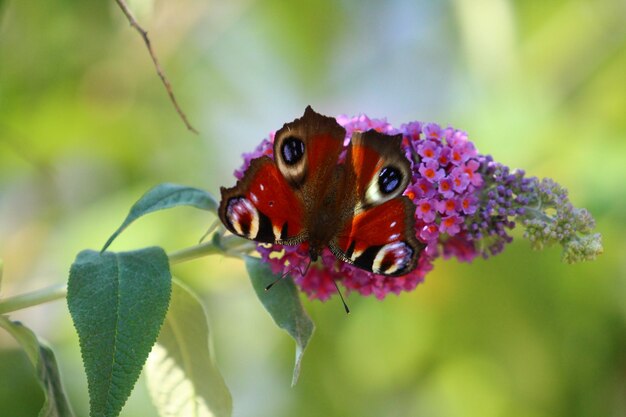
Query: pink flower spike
(429, 170)
(445, 188)
(448, 206)
(428, 150)
(426, 210)
(450, 225)
(453, 215)
(433, 131)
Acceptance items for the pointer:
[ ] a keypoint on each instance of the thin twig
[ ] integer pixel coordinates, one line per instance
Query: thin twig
(166, 83)
(30, 299)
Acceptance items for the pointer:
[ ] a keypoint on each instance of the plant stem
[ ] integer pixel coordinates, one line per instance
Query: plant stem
(537, 213)
(231, 246)
(29, 299)
(193, 252)
(228, 246)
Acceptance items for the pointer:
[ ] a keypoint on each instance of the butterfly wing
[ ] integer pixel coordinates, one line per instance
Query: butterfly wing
(381, 239)
(380, 235)
(377, 167)
(262, 206)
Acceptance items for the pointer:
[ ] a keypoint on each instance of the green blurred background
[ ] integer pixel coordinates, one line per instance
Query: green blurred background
(86, 128)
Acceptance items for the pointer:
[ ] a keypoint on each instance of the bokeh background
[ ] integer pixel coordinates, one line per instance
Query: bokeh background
(86, 127)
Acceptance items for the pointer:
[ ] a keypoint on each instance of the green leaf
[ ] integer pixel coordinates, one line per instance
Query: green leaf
(283, 303)
(118, 302)
(165, 196)
(42, 357)
(182, 377)
(1, 271)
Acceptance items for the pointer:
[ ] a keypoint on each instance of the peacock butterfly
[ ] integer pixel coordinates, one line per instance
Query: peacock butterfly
(305, 195)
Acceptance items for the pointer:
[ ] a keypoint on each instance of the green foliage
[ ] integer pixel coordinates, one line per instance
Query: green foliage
(165, 196)
(282, 301)
(118, 302)
(42, 357)
(23, 397)
(181, 373)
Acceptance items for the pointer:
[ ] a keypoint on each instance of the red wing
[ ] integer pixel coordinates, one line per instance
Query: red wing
(381, 239)
(377, 167)
(263, 206)
(323, 156)
(365, 162)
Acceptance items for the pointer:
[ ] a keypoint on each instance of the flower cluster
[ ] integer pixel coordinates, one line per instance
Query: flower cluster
(466, 204)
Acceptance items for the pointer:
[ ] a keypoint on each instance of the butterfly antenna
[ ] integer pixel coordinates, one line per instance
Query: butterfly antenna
(290, 270)
(345, 306)
(277, 279)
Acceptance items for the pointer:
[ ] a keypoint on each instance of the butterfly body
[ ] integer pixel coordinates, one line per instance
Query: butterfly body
(305, 195)
(328, 213)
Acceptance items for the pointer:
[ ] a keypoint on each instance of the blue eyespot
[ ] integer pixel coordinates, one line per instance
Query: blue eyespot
(292, 150)
(389, 179)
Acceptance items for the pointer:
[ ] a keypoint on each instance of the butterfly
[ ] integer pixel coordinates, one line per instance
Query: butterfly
(306, 196)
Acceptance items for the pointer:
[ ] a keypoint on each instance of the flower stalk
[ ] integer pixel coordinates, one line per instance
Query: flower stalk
(228, 246)
(30, 299)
